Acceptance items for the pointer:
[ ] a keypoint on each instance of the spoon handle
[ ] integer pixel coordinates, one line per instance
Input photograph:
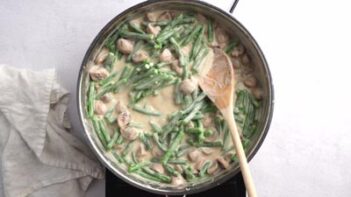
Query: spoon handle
(240, 153)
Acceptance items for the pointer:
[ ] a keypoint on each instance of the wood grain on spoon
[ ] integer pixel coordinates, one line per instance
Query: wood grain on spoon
(216, 79)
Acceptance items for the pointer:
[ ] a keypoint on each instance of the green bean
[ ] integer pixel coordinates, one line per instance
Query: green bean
(204, 168)
(127, 148)
(111, 42)
(147, 176)
(120, 140)
(155, 127)
(170, 170)
(189, 174)
(162, 177)
(231, 46)
(118, 157)
(108, 79)
(136, 28)
(104, 131)
(197, 44)
(192, 35)
(159, 144)
(190, 107)
(109, 117)
(177, 161)
(182, 150)
(226, 137)
(206, 144)
(182, 58)
(190, 116)
(136, 48)
(187, 100)
(133, 35)
(98, 132)
(90, 100)
(108, 63)
(178, 95)
(137, 166)
(146, 111)
(146, 141)
(113, 139)
(200, 56)
(210, 32)
(173, 146)
(111, 88)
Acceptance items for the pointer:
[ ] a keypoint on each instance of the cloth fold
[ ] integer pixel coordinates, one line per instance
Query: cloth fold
(38, 154)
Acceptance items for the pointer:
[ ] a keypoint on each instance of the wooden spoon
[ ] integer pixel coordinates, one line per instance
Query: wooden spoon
(217, 81)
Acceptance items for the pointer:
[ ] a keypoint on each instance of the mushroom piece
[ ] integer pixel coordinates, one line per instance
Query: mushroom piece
(98, 73)
(214, 167)
(207, 150)
(166, 55)
(221, 36)
(153, 30)
(201, 18)
(100, 108)
(178, 180)
(194, 155)
(224, 163)
(125, 46)
(188, 86)
(257, 93)
(123, 119)
(106, 98)
(157, 167)
(141, 152)
(236, 62)
(176, 68)
(140, 56)
(120, 107)
(250, 81)
(153, 16)
(237, 51)
(129, 133)
(100, 58)
(136, 22)
(179, 168)
(245, 59)
(165, 16)
(156, 152)
(207, 121)
(199, 164)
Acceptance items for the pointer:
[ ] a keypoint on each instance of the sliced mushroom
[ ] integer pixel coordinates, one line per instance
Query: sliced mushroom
(130, 133)
(136, 22)
(214, 167)
(123, 119)
(221, 36)
(165, 16)
(188, 86)
(207, 121)
(250, 81)
(179, 168)
(245, 59)
(98, 73)
(207, 150)
(125, 46)
(186, 49)
(140, 56)
(120, 107)
(158, 168)
(237, 51)
(224, 163)
(258, 93)
(194, 155)
(178, 180)
(100, 58)
(199, 164)
(153, 30)
(141, 152)
(153, 16)
(156, 152)
(100, 108)
(106, 97)
(166, 55)
(176, 68)
(236, 62)
(201, 18)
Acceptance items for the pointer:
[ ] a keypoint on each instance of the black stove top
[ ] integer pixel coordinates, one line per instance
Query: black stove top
(116, 187)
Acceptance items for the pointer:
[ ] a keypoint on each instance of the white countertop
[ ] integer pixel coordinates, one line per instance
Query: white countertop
(307, 151)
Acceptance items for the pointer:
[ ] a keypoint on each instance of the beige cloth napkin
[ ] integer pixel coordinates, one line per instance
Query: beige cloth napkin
(38, 154)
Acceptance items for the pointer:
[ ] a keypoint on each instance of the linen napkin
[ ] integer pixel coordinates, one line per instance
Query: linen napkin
(38, 154)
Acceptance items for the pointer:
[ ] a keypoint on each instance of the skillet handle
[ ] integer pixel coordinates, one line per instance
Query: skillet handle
(233, 6)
